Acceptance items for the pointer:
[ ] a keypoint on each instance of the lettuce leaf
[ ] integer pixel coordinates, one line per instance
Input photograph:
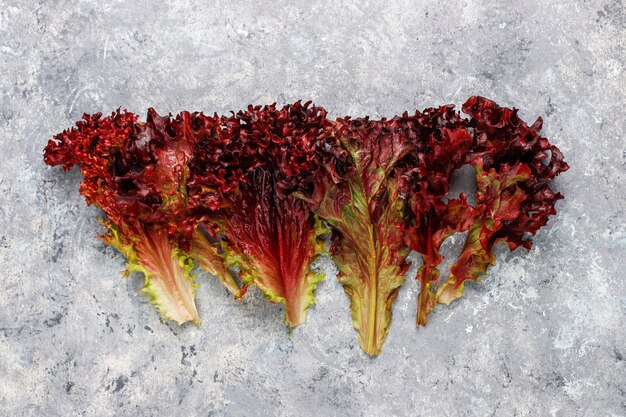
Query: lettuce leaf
(271, 236)
(136, 173)
(357, 193)
(513, 198)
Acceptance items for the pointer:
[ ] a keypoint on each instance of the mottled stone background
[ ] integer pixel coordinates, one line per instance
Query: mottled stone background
(543, 336)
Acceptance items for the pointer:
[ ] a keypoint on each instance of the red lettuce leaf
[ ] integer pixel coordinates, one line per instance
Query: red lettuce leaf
(357, 192)
(241, 182)
(513, 197)
(136, 174)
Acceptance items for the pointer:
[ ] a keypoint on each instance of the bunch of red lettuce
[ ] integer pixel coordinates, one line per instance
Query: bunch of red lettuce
(255, 191)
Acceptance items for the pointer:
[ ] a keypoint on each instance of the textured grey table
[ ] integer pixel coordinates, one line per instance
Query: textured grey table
(543, 336)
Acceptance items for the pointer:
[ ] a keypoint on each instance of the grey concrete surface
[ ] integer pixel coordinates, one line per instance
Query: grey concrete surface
(544, 335)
